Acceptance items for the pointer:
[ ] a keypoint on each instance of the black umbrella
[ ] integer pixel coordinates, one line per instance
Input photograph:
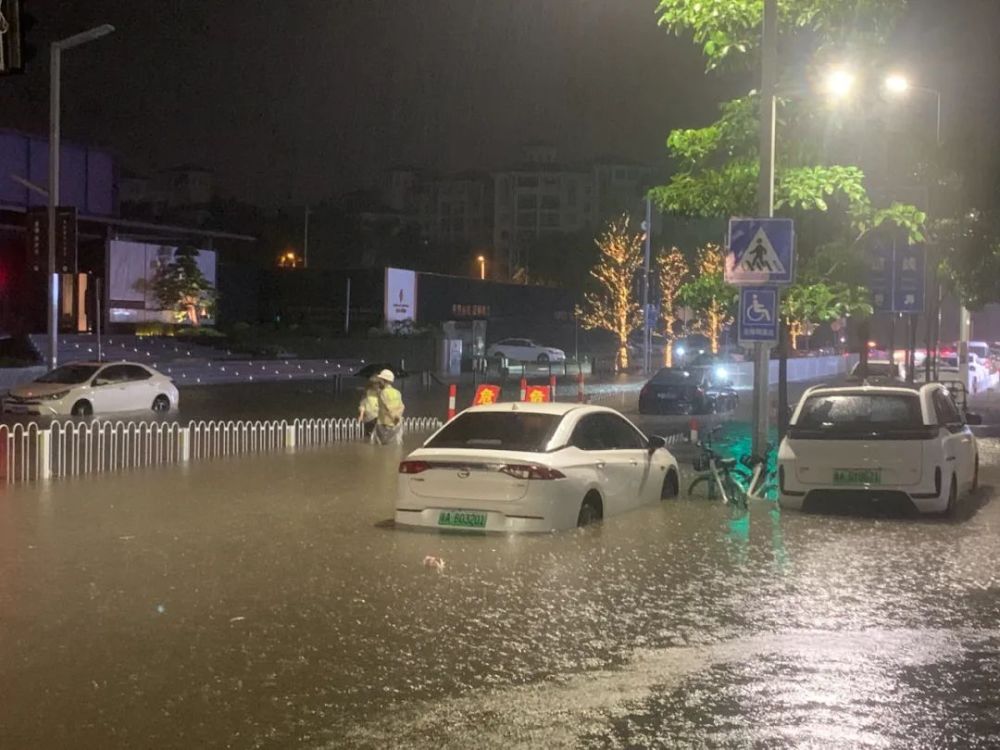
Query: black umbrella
(369, 371)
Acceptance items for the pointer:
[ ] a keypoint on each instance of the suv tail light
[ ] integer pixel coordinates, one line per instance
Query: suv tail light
(413, 467)
(531, 471)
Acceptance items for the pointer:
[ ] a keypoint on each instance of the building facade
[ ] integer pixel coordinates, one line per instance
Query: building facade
(540, 198)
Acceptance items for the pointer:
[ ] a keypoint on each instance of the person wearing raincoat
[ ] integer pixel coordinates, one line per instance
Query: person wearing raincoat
(389, 425)
(368, 408)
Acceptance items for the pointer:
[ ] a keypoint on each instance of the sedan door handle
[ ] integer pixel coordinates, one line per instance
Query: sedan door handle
(600, 464)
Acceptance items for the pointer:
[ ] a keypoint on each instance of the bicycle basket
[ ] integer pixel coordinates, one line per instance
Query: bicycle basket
(701, 462)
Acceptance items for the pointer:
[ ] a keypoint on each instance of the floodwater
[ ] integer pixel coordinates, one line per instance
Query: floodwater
(265, 603)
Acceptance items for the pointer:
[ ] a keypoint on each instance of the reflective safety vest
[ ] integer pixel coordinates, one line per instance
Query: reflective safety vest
(390, 406)
(369, 406)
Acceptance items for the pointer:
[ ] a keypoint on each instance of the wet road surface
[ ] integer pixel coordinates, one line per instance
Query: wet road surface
(266, 603)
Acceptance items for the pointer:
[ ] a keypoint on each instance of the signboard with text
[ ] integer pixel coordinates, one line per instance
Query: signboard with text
(400, 295)
(896, 274)
(758, 315)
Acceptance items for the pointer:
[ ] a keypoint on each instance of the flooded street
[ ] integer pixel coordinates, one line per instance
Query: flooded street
(269, 603)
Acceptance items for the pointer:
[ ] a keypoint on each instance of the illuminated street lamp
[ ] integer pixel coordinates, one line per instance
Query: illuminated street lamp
(839, 83)
(482, 267)
(896, 83)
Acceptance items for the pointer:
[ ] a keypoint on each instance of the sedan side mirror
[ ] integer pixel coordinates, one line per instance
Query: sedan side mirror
(656, 442)
(974, 419)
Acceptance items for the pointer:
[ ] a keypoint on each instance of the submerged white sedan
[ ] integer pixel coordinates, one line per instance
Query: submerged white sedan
(909, 446)
(81, 389)
(532, 467)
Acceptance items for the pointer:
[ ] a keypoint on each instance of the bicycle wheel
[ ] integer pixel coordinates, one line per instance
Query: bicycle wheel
(703, 488)
(736, 492)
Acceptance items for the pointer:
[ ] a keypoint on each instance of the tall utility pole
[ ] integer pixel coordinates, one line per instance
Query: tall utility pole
(648, 226)
(305, 241)
(55, 125)
(765, 205)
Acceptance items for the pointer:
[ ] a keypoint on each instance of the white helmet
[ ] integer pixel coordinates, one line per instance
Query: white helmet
(387, 376)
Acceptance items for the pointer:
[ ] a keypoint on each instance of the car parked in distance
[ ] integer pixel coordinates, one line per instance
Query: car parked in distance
(84, 388)
(878, 370)
(525, 350)
(532, 467)
(688, 390)
(888, 444)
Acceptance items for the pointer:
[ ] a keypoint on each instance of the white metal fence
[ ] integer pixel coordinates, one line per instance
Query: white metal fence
(66, 449)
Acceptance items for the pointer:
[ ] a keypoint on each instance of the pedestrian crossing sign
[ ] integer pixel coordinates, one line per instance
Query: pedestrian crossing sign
(760, 251)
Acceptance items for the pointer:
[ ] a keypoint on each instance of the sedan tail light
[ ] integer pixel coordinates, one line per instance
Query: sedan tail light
(531, 471)
(413, 467)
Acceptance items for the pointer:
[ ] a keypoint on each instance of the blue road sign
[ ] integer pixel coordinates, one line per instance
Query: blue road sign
(910, 278)
(896, 274)
(758, 318)
(760, 251)
(881, 264)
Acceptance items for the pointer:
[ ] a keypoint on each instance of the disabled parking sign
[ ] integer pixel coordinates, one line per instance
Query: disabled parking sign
(758, 316)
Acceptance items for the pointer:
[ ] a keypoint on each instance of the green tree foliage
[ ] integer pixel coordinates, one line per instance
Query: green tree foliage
(181, 287)
(806, 305)
(717, 165)
(729, 29)
(971, 258)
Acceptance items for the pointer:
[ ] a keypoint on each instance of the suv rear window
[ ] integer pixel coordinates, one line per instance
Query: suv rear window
(500, 430)
(834, 414)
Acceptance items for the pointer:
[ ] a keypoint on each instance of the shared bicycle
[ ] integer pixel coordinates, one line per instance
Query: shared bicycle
(731, 481)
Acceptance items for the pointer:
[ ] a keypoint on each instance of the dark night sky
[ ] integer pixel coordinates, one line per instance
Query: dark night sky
(301, 99)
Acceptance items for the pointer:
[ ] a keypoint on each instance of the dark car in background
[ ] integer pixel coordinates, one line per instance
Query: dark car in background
(691, 390)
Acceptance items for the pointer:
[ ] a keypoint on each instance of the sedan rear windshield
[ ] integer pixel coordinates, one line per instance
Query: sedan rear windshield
(69, 374)
(499, 430)
(835, 414)
(673, 377)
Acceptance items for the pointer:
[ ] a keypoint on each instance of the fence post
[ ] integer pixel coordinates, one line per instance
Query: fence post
(580, 390)
(290, 436)
(45, 454)
(524, 387)
(184, 444)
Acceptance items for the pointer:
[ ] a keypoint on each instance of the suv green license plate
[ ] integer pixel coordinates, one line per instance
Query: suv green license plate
(463, 519)
(857, 476)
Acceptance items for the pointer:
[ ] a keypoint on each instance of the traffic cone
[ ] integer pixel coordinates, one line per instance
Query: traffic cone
(452, 397)
(694, 430)
(552, 387)
(524, 387)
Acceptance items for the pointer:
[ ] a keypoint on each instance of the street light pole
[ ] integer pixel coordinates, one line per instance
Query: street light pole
(305, 240)
(55, 125)
(765, 204)
(648, 226)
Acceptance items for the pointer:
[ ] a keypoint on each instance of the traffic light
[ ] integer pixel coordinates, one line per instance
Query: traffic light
(15, 23)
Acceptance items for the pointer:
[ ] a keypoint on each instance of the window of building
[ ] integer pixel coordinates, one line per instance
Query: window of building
(527, 181)
(527, 201)
(550, 202)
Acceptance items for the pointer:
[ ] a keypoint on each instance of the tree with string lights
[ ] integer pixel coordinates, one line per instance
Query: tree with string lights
(672, 271)
(709, 296)
(613, 306)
